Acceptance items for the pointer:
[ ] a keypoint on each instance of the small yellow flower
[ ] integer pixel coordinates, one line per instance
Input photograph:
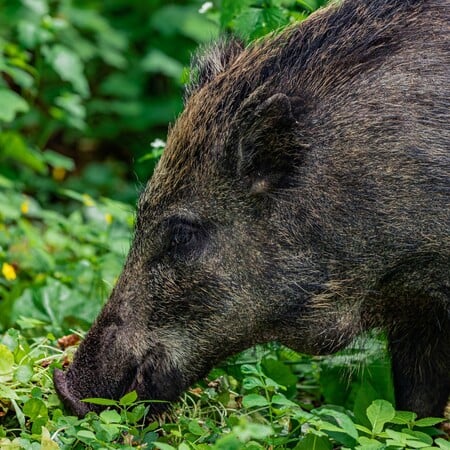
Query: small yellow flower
(58, 173)
(87, 200)
(24, 207)
(8, 271)
(108, 218)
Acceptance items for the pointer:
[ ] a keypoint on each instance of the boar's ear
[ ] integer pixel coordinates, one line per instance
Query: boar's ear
(269, 146)
(209, 61)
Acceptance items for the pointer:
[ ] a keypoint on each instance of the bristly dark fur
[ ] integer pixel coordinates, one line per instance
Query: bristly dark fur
(336, 42)
(211, 60)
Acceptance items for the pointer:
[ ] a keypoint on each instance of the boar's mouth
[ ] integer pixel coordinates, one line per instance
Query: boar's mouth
(149, 380)
(68, 398)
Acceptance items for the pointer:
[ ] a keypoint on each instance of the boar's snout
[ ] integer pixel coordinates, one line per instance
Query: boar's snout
(110, 371)
(69, 399)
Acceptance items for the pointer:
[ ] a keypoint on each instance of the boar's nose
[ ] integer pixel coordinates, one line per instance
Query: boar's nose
(70, 401)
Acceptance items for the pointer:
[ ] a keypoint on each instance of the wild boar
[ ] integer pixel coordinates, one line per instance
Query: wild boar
(303, 197)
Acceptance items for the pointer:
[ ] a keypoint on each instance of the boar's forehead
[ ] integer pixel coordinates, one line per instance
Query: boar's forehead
(191, 162)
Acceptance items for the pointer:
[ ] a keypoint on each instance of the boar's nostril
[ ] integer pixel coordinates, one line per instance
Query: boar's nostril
(69, 400)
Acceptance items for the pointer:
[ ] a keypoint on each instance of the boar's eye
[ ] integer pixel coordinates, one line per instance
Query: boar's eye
(182, 234)
(186, 239)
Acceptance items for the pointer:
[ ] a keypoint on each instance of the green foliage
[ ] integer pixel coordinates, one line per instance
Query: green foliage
(61, 267)
(251, 411)
(253, 19)
(79, 75)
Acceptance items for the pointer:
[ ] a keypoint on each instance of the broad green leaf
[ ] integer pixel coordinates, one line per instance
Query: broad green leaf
(428, 422)
(404, 417)
(379, 413)
(86, 435)
(404, 439)
(7, 393)
(281, 373)
(255, 430)
(280, 399)
(46, 441)
(100, 401)
(445, 445)
(163, 446)
(345, 432)
(70, 110)
(35, 408)
(110, 416)
(248, 369)
(228, 442)
(195, 428)
(55, 159)
(254, 400)
(250, 383)
(39, 7)
(423, 437)
(128, 399)
(13, 146)
(6, 360)
(11, 104)
(68, 65)
(313, 442)
(230, 9)
(157, 61)
(23, 373)
(370, 444)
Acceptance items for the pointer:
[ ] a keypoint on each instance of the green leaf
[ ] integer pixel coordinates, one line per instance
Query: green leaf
(86, 435)
(11, 104)
(35, 408)
(68, 65)
(55, 159)
(230, 9)
(254, 400)
(248, 369)
(157, 61)
(422, 437)
(39, 7)
(6, 360)
(280, 399)
(128, 399)
(313, 442)
(13, 146)
(163, 446)
(110, 416)
(100, 401)
(404, 439)
(23, 373)
(250, 383)
(443, 443)
(428, 422)
(379, 413)
(345, 432)
(370, 444)
(72, 111)
(281, 373)
(195, 428)
(46, 441)
(404, 417)
(7, 393)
